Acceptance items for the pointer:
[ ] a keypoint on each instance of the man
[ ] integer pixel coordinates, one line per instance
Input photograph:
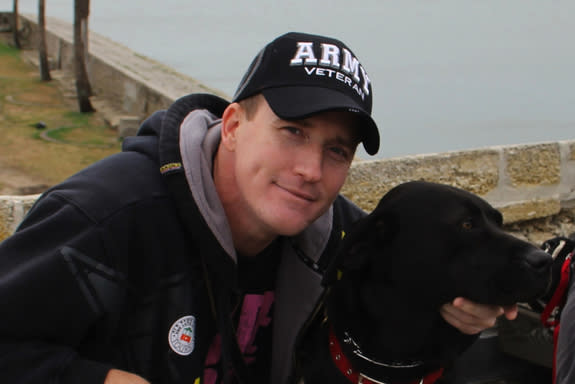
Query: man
(182, 258)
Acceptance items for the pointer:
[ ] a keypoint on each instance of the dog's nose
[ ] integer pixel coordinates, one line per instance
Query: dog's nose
(538, 259)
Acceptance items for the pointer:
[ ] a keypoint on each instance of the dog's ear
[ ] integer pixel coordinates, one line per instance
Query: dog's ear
(361, 243)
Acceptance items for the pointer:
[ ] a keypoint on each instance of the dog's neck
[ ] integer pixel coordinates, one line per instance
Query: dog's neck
(372, 369)
(398, 338)
(402, 332)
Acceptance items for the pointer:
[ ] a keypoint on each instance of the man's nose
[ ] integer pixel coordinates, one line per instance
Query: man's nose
(309, 162)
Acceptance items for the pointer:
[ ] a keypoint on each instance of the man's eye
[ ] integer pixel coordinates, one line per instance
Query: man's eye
(340, 152)
(294, 130)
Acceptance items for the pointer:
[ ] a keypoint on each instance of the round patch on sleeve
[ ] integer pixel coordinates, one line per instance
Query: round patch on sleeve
(182, 335)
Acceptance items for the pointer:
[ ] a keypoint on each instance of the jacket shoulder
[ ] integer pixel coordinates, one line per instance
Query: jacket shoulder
(123, 179)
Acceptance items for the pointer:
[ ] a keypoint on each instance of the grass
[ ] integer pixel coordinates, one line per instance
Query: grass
(70, 141)
(6, 50)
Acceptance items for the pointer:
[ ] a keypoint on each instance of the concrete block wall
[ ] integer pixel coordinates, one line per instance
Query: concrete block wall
(12, 211)
(525, 182)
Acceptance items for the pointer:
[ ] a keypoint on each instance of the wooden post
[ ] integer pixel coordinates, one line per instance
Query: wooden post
(42, 52)
(15, 25)
(83, 88)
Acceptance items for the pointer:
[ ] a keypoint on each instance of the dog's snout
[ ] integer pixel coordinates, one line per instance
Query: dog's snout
(538, 259)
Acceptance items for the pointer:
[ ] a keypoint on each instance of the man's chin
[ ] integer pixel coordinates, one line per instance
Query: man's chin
(290, 221)
(292, 231)
(286, 228)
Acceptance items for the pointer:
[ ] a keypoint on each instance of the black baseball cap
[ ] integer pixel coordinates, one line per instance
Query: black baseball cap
(301, 74)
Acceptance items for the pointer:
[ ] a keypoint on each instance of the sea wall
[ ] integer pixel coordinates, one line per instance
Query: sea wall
(12, 211)
(132, 84)
(532, 184)
(524, 181)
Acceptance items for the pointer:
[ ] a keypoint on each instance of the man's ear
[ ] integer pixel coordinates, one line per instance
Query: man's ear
(231, 119)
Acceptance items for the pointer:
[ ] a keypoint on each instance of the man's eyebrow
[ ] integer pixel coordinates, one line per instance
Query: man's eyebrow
(349, 142)
(302, 122)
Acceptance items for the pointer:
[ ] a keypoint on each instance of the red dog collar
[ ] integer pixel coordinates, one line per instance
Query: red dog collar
(550, 315)
(355, 377)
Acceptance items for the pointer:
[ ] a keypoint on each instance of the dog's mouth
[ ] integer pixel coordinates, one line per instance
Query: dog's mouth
(526, 278)
(523, 284)
(523, 279)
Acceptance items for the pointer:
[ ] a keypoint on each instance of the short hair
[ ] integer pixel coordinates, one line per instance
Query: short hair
(251, 104)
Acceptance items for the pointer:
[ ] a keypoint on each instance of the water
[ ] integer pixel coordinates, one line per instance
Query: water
(447, 74)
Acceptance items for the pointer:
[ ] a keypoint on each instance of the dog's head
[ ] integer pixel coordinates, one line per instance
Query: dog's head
(422, 246)
(441, 242)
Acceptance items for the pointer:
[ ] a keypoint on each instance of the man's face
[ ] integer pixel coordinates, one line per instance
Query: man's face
(289, 172)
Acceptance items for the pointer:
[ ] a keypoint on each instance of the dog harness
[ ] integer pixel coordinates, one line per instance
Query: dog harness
(355, 377)
(550, 315)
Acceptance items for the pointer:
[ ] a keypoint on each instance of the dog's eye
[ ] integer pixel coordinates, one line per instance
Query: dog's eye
(467, 224)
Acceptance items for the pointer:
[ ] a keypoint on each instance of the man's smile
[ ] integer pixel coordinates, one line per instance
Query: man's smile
(303, 195)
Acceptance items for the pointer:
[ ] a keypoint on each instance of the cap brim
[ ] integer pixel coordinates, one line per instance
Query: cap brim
(299, 102)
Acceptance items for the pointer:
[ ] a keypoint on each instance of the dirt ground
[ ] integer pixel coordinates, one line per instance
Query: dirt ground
(43, 139)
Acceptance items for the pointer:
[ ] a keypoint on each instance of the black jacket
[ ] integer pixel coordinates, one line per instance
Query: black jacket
(108, 264)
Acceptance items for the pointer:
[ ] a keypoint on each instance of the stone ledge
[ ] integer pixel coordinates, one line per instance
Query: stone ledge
(537, 164)
(529, 210)
(476, 171)
(12, 211)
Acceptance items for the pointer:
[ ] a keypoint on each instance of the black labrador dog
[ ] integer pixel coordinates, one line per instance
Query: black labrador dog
(422, 246)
